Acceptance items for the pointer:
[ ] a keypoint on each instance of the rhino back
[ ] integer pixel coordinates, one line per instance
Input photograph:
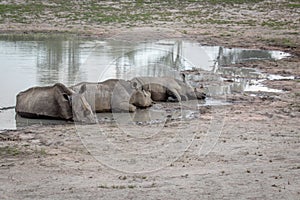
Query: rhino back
(167, 82)
(98, 95)
(37, 101)
(160, 87)
(102, 98)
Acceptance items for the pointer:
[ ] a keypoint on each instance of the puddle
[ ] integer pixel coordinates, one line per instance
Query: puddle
(152, 117)
(7, 119)
(257, 86)
(23, 122)
(28, 61)
(251, 80)
(213, 102)
(279, 77)
(236, 80)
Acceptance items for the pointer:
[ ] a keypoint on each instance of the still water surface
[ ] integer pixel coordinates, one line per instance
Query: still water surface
(27, 61)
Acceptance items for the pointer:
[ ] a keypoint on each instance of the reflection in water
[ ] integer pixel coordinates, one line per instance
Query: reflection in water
(57, 61)
(49, 61)
(158, 59)
(149, 60)
(233, 72)
(232, 56)
(73, 60)
(23, 122)
(234, 80)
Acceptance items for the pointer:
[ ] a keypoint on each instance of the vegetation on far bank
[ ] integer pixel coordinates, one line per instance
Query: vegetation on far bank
(133, 13)
(232, 16)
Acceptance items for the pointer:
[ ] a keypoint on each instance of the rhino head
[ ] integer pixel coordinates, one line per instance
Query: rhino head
(81, 109)
(194, 93)
(199, 93)
(141, 98)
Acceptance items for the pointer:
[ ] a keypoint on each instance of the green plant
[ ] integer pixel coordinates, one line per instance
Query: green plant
(9, 151)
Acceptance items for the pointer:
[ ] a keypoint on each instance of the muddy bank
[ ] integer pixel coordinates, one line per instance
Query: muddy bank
(257, 157)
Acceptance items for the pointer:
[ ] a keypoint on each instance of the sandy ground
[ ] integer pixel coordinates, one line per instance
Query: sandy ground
(246, 150)
(256, 156)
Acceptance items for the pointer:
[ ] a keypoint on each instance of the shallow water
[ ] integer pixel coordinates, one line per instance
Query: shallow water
(28, 61)
(246, 80)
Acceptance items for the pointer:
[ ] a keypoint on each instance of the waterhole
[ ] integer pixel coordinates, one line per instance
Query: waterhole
(39, 60)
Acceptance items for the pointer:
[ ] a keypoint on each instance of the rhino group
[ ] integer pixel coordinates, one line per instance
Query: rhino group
(79, 102)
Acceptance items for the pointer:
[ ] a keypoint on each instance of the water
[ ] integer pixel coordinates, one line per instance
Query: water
(247, 80)
(39, 60)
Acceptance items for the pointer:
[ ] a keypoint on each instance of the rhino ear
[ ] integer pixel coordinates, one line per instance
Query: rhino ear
(134, 85)
(183, 77)
(145, 93)
(66, 97)
(82, 89)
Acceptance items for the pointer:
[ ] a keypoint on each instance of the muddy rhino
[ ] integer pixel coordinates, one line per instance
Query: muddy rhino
(115, 95)
(57, 102)
(162, 88)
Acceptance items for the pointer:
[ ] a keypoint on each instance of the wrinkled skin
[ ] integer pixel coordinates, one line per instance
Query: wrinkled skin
(189, 91)
(115, 95)
(141, 99)
(57, 102)
(81, 109)
(164, 88)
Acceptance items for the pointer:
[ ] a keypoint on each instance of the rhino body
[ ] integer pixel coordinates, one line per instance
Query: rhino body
(57, 102)
(162, 88)
(115, 95)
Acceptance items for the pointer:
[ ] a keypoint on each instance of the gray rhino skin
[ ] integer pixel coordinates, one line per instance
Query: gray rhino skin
(115, 95)
(161, 88)
(57, 102)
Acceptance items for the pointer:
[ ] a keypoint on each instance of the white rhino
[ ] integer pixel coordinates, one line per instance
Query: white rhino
(115, 95)
(57, 102)
(161, 88)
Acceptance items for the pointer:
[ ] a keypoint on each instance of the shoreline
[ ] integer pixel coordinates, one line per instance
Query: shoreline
(207, 40)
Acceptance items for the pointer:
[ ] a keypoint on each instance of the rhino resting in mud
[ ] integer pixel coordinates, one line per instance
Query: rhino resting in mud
(115, 95)
(56, 102)
(162, 88)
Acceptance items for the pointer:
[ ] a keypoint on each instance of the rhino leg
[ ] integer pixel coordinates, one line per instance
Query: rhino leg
(125, 106)
(132, 108)
(184, 98)
(174, 93)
